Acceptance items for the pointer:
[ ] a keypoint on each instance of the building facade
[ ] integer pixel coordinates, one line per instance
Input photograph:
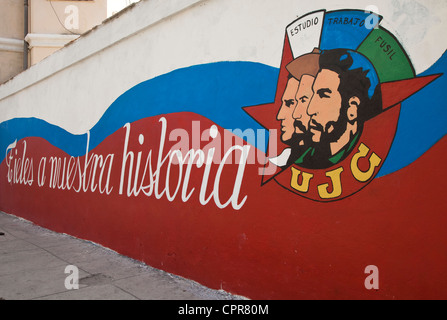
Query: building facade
(11, 38)
(50, 26)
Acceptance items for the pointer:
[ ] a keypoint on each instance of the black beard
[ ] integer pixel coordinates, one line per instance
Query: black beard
(323, 152)
(299, 143)
(302, 127)
(339, 128)
(294, 141)
(297, 138)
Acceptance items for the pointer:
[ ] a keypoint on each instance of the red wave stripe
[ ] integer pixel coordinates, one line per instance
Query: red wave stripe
(277, 246)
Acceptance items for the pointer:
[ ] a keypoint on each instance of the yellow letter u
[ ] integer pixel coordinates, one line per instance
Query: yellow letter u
(304, 186)
(374, 162)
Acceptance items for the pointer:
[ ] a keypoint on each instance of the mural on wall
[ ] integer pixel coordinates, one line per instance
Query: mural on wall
(346, 79)
(272, 183)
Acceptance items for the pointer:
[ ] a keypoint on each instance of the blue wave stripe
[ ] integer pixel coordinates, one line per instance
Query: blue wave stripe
(217, 91)
(20, 128)
(422, 122)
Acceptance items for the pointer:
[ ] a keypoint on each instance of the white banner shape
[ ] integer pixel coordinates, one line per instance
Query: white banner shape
(305, 33)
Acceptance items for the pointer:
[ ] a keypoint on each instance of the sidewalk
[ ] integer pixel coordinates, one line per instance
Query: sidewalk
(33, 262)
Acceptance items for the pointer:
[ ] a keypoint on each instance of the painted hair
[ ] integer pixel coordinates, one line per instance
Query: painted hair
(357, 78)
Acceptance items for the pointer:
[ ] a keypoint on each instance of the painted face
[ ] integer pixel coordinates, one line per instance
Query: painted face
(285, 114)
(303, 97)
(325, 108)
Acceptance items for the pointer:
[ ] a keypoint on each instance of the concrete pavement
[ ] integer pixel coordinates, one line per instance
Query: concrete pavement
(33, 262)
